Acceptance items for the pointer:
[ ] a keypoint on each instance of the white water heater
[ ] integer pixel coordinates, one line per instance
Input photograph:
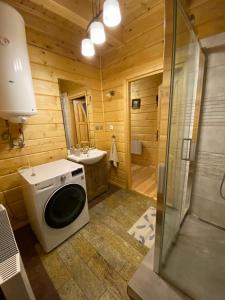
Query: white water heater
(17, 100)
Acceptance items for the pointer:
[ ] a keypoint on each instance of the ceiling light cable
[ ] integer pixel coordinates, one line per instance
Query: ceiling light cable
(111, 18)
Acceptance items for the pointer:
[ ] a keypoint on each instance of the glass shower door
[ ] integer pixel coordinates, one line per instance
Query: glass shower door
(183, 125)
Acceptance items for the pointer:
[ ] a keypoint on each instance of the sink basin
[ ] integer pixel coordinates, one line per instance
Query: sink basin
(92, 157)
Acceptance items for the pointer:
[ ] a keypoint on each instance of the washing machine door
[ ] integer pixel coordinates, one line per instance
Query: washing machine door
(64, 206)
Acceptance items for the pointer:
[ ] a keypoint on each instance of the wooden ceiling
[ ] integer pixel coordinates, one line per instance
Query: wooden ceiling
(60, 25)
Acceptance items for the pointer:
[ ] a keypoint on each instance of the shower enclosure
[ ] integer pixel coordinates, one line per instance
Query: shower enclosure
(190, 247)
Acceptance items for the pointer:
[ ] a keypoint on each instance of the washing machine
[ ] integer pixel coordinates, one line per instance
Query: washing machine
(56, 201)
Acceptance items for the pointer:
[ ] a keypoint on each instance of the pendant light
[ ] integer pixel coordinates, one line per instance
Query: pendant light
(111, 13)
(87, 48)
(111, 18)
(97, 32)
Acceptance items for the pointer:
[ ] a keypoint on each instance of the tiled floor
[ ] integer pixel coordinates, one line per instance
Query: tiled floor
(97, 262)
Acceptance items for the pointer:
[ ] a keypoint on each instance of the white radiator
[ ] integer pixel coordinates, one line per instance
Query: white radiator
(13, 278)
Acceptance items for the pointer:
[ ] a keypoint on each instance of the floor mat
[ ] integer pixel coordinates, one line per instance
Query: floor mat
(144, 229)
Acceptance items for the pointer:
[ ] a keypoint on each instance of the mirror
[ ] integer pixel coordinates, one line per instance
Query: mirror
(75, 110)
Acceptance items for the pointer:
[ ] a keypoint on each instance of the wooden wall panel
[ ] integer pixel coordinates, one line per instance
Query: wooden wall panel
(144, 120)
(209, 16)
(53, 55)
(142, 53)
(44, 132)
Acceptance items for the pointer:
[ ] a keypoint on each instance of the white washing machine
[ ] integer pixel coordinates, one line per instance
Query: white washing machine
(56, 201)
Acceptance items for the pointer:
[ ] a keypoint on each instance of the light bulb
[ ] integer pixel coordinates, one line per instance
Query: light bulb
(87, 48)
(111, 13)
(97, 32)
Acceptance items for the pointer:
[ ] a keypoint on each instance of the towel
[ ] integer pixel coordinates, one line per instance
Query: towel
(113, 156)
(136, 147)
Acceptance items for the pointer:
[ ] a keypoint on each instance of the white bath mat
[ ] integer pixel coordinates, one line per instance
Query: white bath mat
(144, 229)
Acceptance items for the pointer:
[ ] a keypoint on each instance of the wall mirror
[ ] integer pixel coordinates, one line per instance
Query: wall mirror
(75, 103)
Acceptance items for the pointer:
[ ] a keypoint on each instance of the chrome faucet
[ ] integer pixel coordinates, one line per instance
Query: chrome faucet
(85, 150)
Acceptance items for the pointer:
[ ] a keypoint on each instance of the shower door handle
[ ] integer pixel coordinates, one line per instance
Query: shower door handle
(187, 155)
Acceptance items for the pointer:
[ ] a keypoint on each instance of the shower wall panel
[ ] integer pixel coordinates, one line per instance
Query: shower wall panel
(206, 200)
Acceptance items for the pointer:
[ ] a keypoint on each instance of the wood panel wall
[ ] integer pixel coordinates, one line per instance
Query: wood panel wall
(209, 16)
(142, 53)
(52, 56)
(44, 132)
(143, 122)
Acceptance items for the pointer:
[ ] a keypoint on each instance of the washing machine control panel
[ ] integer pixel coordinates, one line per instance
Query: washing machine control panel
(45, 185)
(77, 171)
(59, 180)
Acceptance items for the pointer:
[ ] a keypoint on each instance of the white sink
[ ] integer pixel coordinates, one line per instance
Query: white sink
(92, 157)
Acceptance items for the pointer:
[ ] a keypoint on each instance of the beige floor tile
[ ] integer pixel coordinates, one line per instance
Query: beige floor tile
(110, 254)
(55, 268)
(83, 248)
(71, 291)
(107, 296)
(115, 284)
(88, 282)
(119, 230)
(96, 262)
(108, 236)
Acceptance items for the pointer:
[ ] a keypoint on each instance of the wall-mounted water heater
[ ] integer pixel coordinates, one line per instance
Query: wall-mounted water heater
(17, 100)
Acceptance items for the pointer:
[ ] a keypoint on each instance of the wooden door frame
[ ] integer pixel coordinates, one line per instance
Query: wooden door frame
(127, 81)
(74, 96)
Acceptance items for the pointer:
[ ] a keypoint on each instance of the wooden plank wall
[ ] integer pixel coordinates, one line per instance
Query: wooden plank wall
(209, 16)
(144, 120)
(141, 53)
(44, 133)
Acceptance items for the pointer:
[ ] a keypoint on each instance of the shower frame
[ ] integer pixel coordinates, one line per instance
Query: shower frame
(168, 77)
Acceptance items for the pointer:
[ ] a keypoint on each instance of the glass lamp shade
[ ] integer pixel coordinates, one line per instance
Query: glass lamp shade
(87, 48)
(97, 33)
(111, 13)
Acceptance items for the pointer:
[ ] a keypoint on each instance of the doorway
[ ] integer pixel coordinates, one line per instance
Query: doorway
(144, 114)
(81, 119)
(76, 111)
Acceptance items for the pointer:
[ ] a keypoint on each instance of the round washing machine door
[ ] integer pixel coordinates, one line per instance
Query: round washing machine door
(64, 206)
